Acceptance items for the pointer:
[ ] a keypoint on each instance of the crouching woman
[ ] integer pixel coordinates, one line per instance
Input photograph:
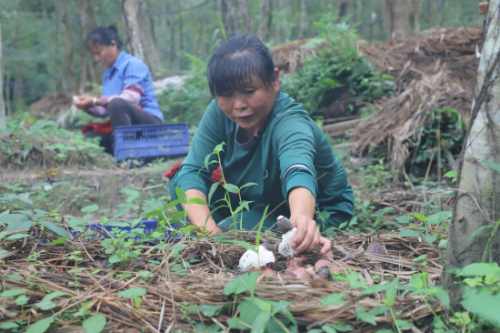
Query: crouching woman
(270, 141)
(127, 87)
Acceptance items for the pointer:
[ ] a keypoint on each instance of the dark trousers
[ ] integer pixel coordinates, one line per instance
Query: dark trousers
(122, 113)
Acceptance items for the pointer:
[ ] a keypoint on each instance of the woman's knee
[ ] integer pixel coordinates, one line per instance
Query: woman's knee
(117, 105)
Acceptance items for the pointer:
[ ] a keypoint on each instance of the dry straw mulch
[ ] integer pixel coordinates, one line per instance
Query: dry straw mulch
(205, 281)
(433, 71)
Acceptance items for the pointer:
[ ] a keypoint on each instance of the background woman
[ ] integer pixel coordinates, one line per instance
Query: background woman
(271, 141)
(127, 88)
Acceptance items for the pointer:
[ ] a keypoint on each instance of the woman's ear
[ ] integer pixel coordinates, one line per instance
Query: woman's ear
(276, 82)
(113, 44)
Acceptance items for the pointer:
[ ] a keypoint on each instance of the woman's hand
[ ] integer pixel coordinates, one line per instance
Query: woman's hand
(84, 102)
(308, 236)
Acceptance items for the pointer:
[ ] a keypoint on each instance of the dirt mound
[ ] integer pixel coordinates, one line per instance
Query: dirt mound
(51, 105)
(432, 71)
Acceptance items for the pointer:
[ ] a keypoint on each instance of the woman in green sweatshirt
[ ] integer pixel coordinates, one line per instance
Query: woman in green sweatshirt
(270, 141)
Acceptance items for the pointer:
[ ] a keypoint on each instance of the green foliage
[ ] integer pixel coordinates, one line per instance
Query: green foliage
(40, 326)
(337, 67)
(45, 143)
(94, 324)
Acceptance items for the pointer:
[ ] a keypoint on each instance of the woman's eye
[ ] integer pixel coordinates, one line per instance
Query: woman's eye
(249, 91)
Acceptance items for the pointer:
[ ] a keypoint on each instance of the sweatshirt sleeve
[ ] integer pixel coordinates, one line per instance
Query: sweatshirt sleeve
(294, 141)
(207, 136)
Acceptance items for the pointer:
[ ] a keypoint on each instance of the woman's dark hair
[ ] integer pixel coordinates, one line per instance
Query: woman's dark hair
(236, 61)
(104, 36)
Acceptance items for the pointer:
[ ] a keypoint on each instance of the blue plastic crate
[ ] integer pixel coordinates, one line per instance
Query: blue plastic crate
(148, 225)
(148, 142)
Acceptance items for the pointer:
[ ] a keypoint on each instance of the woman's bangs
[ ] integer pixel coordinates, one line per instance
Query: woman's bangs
(231, 76)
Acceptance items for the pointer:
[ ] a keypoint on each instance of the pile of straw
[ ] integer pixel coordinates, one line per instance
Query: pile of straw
(168, 293)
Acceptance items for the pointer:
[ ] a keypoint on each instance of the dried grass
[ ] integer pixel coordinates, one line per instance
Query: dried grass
(205, 281)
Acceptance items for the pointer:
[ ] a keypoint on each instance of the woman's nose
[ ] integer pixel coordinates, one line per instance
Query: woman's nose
(240, 103)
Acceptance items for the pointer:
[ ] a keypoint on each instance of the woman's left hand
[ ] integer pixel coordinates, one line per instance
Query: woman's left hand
(84, 102)
(308, 236)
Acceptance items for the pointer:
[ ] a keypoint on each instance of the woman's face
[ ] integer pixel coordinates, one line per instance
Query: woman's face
(105, 54)
(251, 107)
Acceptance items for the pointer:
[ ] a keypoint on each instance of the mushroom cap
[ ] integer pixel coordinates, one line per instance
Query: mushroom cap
(251, 259)
(284, 224)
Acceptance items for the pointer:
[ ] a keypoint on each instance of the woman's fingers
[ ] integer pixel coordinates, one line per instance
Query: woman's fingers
(326, 245)
(314, 244)
(301, 224)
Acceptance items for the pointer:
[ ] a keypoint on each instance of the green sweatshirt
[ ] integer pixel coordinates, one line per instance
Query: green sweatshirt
(290, 151)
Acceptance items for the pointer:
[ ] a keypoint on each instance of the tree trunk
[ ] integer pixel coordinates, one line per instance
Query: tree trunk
(266, 17)
(477, 202)
(91, 24)
(82, 66)
(2, 102)
(342, 9)
(68, 48)
(399, 18)
(247, 23)
(303, 18)
(139, 34)
(228, 13)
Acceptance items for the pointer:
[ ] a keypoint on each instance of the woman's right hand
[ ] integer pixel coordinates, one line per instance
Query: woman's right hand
(83, 102)
(198, 214)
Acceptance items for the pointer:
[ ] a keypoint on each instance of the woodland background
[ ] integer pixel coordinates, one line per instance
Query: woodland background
(43, 48)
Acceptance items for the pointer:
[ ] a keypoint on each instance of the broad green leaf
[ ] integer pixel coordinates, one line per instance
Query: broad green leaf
(483, 304)
(493, 165)
(58, 241)
(420, 217)
(430, 238)
(15, 277)
(260, 323)
(439, 217)
(231, 188)
(247, 185)
(18, 236)
(55, 228)
(94, 324)
(261, 304)
(181, 196)
(46, 303)
(132, 292)
(212, 191)
(40, 326)
(8, 325)
(91, 208)
(405, 219)
(376, 288)
(13, 292)
(241, 284)
(408, 233)
(197, 201)
(219, 148)
(333, 299)
(103, 219)
(480, 269)
(443, 243)
(365, 316)
(404, 324)
(210, 310)
(328, 328)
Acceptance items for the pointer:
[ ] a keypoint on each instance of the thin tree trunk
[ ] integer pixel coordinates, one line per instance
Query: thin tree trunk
(398, 18)
(303, 18)
(140, 40)
(266, 17)
(228, 13)
(68, 48)
(82, 66)
(17, 85)
(91, 24)
(247, 23)
(2, 101)
(342, 9)
(477, 202)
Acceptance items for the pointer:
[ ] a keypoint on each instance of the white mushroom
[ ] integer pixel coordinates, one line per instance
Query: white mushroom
(285, 247)
(250, 258)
